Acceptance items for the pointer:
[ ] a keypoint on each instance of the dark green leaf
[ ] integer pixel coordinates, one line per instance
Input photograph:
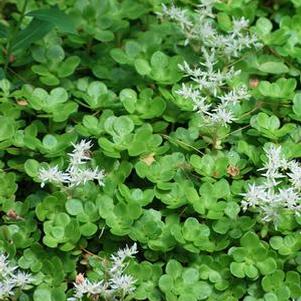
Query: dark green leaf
(55, 17)
(35, 31)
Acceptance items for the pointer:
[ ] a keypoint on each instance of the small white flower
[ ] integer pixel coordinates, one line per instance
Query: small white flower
(118, 259)
(124, 283)
(235, 96)
(127, 252)
(82, 176)
(77, 173)
(295, 174)
(271, 198)
(52, 175)
(117, 282)
(11, 278)
(87, 287)
(222, 115)
(205, 8)
(79, 154)
(198, 100)
(178, 15)
(253, 196)
(6, 289)
(289, 197)
(21, 279)
(239, 25)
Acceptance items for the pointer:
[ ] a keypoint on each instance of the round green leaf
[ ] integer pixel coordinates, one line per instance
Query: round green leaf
(42, 294)
(74, 206)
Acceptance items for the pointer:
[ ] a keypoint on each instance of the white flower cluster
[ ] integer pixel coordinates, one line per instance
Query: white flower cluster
(281, 189)
(77, 172)
(201, 27)
(207, 79)
(210, 81)
(116, 287)
(11, 278)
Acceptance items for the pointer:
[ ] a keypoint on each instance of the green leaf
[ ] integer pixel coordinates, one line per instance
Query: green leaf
(201, 290)
(263, 26)
(3, 31)
(88, 229)
(50, 142)
(142, 66)
(174, 268)
(237, 269)
(159, 60)
(224, 21)
(55, 17)
(232, 209)
(74, 206)
(129, 98)
(31, 167)
(297, 104)
(273, 67)
(165, 283)
(68, 67)
(267, 266)
(250, 240)
(190, 276)
(35, 31)
(251, 271)
(42, 294)
(7, 128)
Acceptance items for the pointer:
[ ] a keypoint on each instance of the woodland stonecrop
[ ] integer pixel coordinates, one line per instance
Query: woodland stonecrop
(11, 278)
(208, 81)
(182, 110)
(280, 190)
(116, 286)
(77, 172)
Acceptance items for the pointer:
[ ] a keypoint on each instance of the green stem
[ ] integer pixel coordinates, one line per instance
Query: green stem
(12, 36)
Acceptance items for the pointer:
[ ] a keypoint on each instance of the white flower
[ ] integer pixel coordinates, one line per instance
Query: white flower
(127, 252)
(6, 269)
(188, 92)
(52, 175)
(203, 31)
(295, 174)
(289, 197)
(239, 25)
(11, 278)
(123, 282)
(198, 100)
(201, 27)
(88, 287)
(77, 173)
(253, 196)
(82, 176)
(6, 289)
(274, 195)
(177, 14)
(118, 259)
(222, 115)
(80, 152)
(21, 279)
(205, 8)
(235, 96)
(117, 283)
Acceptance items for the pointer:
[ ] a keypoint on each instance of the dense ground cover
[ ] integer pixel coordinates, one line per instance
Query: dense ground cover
(149, 150)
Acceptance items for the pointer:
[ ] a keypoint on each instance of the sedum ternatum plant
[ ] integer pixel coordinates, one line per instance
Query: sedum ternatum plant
(200, 27)
(116, 285)
(12, 279)
(77, 172)
(280, 189)
(209, 91)
(194, 110)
